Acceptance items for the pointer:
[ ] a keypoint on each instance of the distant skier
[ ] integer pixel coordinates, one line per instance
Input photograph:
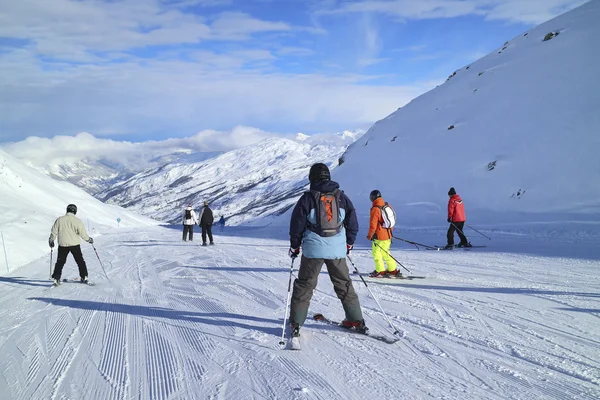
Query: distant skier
(380, 234)
(189, 220)
(222, 222)
(206, 221)
(324, 223)
(69, 229)
(456, 218)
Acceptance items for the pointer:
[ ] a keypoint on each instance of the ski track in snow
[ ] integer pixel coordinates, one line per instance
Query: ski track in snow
(181, 321)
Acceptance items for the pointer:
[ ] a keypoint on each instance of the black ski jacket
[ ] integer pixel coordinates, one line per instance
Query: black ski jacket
(207, 217)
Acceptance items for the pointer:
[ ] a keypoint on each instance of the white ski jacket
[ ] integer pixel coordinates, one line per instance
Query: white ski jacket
(191, 221)
(68, 229)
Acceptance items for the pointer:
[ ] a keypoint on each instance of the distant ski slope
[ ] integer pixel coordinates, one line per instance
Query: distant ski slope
(31, 201)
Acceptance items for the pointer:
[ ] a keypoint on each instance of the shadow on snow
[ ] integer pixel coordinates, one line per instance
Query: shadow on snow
(215, 319)
(24, 281)
(501, 290)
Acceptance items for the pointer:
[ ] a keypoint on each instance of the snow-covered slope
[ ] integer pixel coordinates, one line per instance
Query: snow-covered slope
(260, 180)
(178, 321)
(31, 201)
(516, 133)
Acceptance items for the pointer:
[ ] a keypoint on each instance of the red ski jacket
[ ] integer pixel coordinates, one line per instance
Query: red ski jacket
(456, 209)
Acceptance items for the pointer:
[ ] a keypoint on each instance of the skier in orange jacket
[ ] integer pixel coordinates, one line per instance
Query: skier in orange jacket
(381, 238)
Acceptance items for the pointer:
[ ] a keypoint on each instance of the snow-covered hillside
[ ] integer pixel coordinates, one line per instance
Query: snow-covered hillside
(179, 321)
(516, 133)
(260, 180)
(31, 201)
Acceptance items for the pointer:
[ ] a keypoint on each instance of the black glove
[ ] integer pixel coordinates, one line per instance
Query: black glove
(348, 248)
(51, 243)
(90, 241)
(449, 220)
(293, 253)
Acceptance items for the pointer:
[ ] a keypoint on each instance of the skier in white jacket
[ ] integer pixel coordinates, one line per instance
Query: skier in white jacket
(69, 230)
(189, 220)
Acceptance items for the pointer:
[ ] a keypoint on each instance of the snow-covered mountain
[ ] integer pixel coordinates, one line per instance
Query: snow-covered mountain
(96, 164)
(31, 201)
(516, 133)
(98, 174)
(260, 180)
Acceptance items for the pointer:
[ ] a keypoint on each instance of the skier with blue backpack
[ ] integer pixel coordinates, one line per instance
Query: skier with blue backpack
(382, 221)
(325, 226)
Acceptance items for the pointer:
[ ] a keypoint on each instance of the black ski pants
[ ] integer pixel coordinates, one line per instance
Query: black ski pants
(206, 230)
(188, 230)
(461, 235)
(306, 282)
(63, 252)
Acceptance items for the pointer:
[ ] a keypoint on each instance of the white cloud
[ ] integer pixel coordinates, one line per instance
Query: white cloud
(146, 97)
(236, 25)
(65, 150)
(75, 30)
(526, 11)
(532, 11)
(42, 152)
(295, 51)
(367, 62)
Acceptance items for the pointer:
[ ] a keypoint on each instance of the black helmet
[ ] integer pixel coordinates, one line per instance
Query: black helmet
(375, 194)
(319, 172)
(72, 208)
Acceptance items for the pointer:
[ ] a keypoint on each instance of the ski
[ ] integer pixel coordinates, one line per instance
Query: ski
(381, 338)
(391, 280)
(390, 277)
(455, 247)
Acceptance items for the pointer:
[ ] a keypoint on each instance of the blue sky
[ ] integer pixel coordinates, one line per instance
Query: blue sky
(152, 69)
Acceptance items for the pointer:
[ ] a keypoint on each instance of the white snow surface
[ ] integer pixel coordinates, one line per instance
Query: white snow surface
(31, 202)
(258, 181)
(529, 110)
(180, 321)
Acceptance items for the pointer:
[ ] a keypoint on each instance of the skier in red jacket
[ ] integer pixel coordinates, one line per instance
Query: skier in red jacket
(457, 218)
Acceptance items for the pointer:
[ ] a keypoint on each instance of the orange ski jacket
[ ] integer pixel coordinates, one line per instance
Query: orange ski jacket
(376, 230)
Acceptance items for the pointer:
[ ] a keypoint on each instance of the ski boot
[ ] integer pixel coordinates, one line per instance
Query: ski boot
(294, 342)
(359, 326)
(376, 274)
(394, 274)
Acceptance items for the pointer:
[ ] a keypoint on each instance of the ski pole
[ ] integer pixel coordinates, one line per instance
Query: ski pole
(4, 247)
(415, 243)
(51, 250)
(287, 302)
(94, 247)
(396, 332)
(479, 232)
(388, 253)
